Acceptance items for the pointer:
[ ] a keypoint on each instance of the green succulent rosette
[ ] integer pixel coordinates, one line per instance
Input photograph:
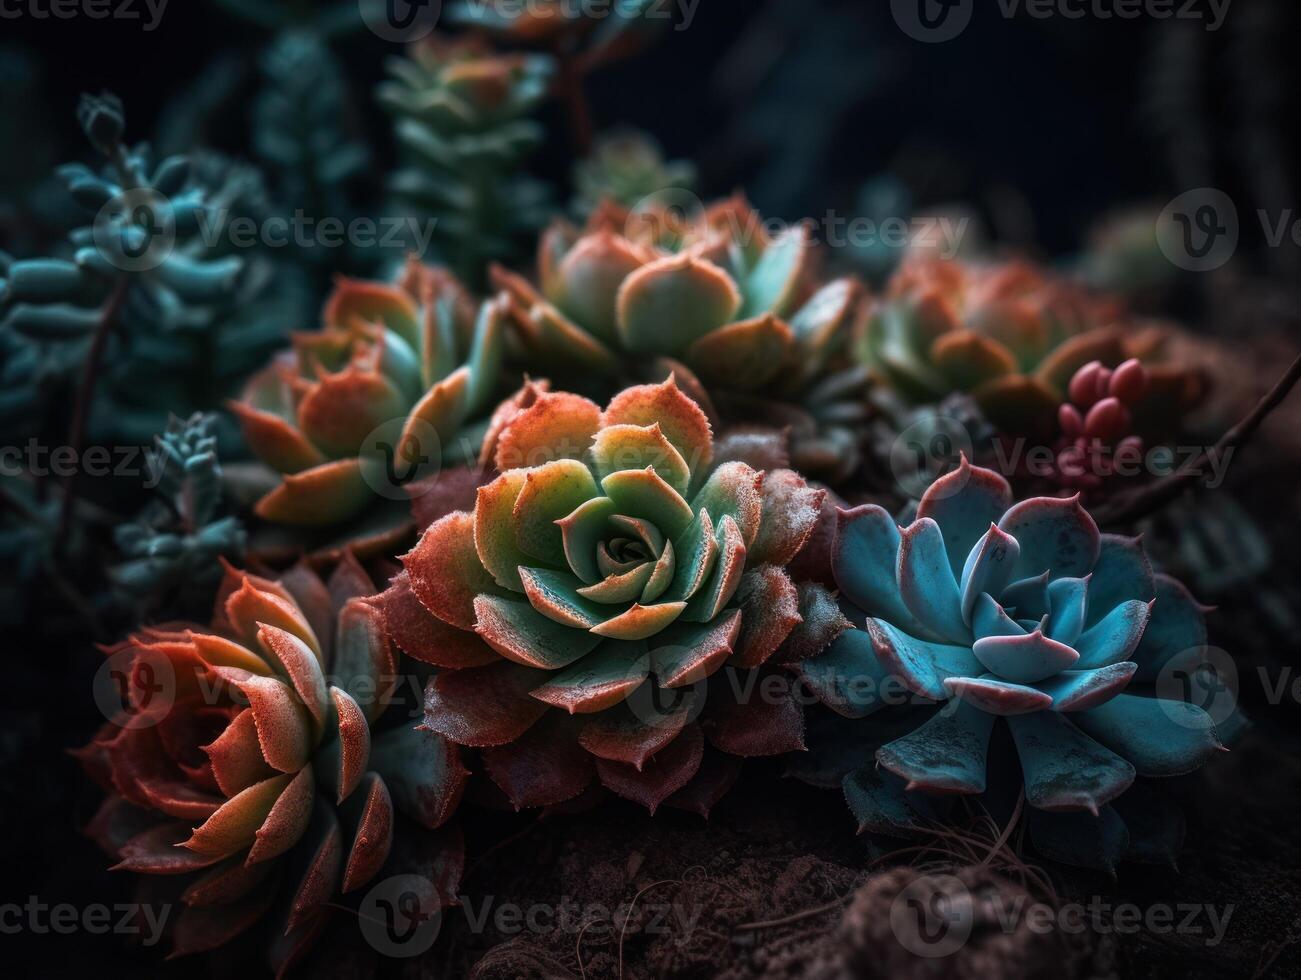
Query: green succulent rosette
(609, 569)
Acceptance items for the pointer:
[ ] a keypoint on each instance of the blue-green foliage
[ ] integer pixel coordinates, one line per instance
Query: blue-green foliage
(299, 133)
(182, 314)
(171, 548)
(463, 162)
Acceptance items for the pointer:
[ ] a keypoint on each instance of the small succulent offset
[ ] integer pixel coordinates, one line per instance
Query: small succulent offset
(626, 167)
(375, 399)
(1021, 615)
(249, 764)
(712, 296)
(461, 120)
(1097, 424)
(171, 550)
(609, 570)
(1010, 335)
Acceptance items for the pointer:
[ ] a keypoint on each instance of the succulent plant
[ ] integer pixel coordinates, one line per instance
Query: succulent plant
(374, 400)
(1018, 615)
(603, 578)
(711, 296)
(1011, 336)
(174, 322)
(171, 550)
(461, 122)
(250, 766)
(1097, 423)
(626, 167)
(599, 33)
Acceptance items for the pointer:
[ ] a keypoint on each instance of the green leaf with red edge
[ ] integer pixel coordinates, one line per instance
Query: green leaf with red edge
(444, 571)
(325, 494)
(341, 410)
(635, 447)
(423, 636)
(689, 653)
(734, 490)
(235, 824)
(522, 634)
(644, 494)
(681, 419)
(744, 355)
(550, 493)
(599, 680)
(284, 728)
(667, 304)
(494, 529)
(274, 441)
(790, 512)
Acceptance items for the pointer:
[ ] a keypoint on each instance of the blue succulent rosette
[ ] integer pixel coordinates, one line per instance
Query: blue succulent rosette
(1018, 616)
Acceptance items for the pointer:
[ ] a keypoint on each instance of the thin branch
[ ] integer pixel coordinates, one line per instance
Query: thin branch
(85, 397)
(1139, 503)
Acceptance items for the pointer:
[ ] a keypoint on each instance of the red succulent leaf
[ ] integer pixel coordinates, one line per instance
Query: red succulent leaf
(670, 770)
(546, 765)
(770, 610)
(423, 636)
(483, 706)
(754, 715)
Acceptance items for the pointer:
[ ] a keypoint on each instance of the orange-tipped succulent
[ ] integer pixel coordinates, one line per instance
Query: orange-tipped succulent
(250, 766)
(733, 309)
(1010, 335)
(602, 579)
(373, 400)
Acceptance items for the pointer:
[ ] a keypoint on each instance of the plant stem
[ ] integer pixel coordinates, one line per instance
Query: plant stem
(1139, 503)
(85, 397)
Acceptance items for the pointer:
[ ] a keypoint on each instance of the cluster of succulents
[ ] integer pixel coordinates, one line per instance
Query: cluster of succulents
(1011, 336)
(252, 767)
(538, 538)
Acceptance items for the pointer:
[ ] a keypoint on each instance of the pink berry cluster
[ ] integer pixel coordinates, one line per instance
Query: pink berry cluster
(1097, 422)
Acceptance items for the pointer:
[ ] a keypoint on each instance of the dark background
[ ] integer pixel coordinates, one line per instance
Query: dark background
(1054, 121)
(1042, 126)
